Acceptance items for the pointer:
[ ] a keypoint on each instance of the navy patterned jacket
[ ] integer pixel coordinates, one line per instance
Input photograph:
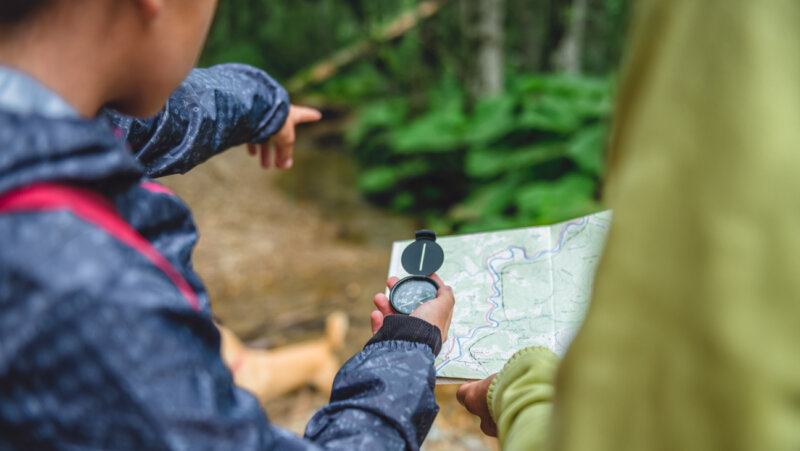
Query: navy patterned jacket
(100, 348)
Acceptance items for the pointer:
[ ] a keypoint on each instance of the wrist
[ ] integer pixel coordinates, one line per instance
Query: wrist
(535, 361)
(409, 328)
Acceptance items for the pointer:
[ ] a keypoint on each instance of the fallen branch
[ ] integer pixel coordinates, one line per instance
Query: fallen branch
(325, 69)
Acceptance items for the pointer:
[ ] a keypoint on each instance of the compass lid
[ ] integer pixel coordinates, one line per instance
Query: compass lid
(424, 256)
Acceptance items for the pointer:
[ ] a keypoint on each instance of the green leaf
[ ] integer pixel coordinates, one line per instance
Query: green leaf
(487, 201)
(435, 132)
(567, 197)
(403, 201)
(565, 86)
(492, 119)
(385, 178)
(377, 180)
(484, 162)
(439, 223)
(382, 114)
(586, 149)
(359, 84)
(550, 114)
(561, 104)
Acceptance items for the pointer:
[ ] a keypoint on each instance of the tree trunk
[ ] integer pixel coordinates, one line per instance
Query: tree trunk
(485, 36)
(570, 52)
(533, 20)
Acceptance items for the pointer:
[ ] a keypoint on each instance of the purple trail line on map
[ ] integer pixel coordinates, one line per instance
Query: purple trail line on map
(492, 323)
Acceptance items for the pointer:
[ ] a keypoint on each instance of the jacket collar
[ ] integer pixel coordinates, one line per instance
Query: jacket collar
(22, 94)
(43, 139)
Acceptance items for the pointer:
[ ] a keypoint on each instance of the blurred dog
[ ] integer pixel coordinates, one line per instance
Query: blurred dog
(273, 372)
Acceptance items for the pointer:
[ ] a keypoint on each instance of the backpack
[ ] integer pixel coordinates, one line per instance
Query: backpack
(99, 211)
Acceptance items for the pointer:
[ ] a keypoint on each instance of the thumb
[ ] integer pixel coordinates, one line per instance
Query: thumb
(461, 394)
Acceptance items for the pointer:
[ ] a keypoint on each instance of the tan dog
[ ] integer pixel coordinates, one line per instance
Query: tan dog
(271, 373)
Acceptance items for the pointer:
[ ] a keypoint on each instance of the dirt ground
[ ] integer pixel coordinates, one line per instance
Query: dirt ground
(279, 251)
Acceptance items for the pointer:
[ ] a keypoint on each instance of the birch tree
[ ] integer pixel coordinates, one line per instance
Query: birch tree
(569, 54)
(485, 35)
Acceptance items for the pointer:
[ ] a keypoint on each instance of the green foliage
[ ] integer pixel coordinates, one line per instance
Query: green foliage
(361, 82)
(530, 156)
(533, 155)
(285, 36)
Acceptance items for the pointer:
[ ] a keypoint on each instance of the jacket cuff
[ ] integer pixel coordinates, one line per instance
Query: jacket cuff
(409, 328)
(536, 362)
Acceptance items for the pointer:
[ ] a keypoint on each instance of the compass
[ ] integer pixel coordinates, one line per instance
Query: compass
(421, 258)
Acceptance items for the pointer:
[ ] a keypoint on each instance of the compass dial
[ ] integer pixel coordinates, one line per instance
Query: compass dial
(409, 293)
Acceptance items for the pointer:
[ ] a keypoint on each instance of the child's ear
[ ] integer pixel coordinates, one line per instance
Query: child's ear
(150, 8)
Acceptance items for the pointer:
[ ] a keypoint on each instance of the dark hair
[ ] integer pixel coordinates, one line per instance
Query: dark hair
(15, 11)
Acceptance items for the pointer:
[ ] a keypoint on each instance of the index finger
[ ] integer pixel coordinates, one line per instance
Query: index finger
(305, 114)
(440, 282)
(391, 282)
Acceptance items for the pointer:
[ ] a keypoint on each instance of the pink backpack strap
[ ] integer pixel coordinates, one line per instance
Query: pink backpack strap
(98, 211)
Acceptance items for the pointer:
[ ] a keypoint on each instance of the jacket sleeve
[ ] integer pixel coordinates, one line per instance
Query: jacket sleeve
(382, 400)
(520, 399)
(120, 360)
(212, 110)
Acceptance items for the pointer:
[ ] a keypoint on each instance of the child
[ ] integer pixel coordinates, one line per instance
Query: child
(106, 338)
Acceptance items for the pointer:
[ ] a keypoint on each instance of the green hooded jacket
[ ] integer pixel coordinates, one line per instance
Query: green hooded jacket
(692, 341)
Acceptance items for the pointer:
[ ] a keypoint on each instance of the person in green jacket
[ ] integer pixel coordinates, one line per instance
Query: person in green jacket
(692, 341)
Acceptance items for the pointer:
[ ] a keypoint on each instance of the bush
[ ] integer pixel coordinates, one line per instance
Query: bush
(531, 156)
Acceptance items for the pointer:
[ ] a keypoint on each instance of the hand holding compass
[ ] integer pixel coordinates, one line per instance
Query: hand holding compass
(436, 306)
(438, 311)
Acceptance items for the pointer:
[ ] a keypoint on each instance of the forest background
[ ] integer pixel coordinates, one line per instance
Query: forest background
(470, 115)
(457, 115)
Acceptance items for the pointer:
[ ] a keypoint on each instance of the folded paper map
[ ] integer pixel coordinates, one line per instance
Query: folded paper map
(514, 289)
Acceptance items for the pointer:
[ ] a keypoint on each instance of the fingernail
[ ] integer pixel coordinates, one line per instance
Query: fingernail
(289, 163)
